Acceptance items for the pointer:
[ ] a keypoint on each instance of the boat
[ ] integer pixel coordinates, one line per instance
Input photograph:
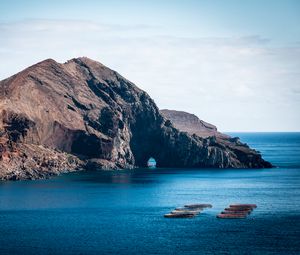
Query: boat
(235, 212)
(231, 216)
(179, 215)
(244, 205)
(188, 209)
(238, 209)
(198, 206)
(185, 211)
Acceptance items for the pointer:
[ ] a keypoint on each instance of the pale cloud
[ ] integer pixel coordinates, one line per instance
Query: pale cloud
(237, 83)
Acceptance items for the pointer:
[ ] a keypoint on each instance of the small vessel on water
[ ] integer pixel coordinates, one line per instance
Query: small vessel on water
(230, 209)
(253, 206)
(198, 206)
(237, 211)
(231, 216)
(188, 211)
(179, 215)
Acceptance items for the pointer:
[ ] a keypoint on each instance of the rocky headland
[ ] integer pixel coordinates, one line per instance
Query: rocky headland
(58, 118)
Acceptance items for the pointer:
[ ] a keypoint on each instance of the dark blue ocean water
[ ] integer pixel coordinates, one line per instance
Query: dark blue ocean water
(122, 212)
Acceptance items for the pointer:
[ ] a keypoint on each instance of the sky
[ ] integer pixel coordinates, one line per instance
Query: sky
(235, 64)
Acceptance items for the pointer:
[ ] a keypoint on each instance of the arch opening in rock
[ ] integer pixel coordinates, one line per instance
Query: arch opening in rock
(151, 163)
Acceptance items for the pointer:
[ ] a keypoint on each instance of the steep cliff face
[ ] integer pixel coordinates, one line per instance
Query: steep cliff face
(191, 124)
(64, 117)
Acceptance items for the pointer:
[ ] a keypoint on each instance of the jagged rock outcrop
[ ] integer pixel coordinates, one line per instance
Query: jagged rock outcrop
(64, 117)
(191, 124)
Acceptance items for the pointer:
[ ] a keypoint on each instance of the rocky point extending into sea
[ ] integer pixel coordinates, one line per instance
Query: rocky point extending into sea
(58, 118)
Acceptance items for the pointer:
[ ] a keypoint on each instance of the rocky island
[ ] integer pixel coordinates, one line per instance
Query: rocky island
(78, 115)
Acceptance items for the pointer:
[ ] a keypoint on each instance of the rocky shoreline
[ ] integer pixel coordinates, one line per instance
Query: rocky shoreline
(57, 118)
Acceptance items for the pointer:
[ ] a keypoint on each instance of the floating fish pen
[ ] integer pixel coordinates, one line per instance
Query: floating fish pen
(237, 211)
(188, 211)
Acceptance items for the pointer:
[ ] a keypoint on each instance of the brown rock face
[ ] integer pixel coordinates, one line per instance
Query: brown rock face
(191, 124)
(64, 117)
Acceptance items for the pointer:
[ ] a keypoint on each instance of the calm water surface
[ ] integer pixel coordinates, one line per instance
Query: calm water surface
(122, 212)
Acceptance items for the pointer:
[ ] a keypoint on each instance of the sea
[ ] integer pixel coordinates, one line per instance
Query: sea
(122, 212)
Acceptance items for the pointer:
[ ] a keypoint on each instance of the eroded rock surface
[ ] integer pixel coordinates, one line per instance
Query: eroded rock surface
(64, 117)
(191, 124)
